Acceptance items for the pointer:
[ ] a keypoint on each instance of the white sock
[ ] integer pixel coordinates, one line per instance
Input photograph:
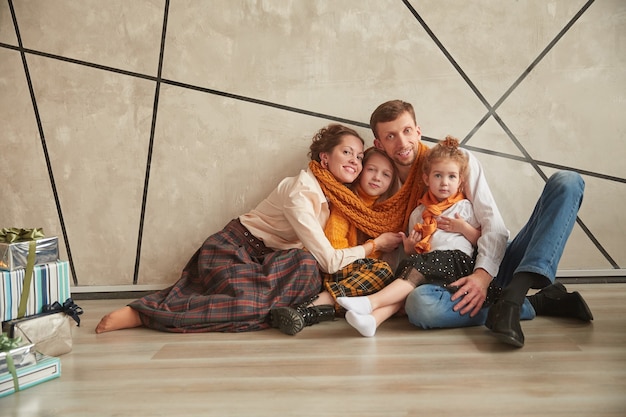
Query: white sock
(364, 323)
(360, 305)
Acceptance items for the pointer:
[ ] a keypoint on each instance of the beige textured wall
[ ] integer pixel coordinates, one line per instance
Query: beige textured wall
(245, 84)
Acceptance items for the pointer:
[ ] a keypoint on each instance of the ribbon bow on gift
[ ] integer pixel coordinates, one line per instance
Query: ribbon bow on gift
(14, 234)
(9, 343)
(6, 345)
(68, 308)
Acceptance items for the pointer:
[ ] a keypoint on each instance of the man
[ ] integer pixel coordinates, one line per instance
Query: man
(530, 260)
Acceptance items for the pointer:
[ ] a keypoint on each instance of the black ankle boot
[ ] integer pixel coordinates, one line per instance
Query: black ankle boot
(291, 320)
(554, 300)
(503, 319)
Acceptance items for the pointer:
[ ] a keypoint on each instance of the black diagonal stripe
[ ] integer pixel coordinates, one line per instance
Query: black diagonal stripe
(151, 144)
(44, 146)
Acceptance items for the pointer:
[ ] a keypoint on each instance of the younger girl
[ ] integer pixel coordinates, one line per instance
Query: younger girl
(437, 254)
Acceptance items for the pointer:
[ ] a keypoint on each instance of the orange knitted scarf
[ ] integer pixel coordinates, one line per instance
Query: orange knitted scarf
(433, 209)
(392, 215)
(341, 232)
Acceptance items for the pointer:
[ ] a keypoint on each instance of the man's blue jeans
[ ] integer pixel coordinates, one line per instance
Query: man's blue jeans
(537, 248)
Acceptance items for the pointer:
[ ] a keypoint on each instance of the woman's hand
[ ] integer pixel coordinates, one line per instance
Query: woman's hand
(388, 241)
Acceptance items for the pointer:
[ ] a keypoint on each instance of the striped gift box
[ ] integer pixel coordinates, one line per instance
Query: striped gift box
(50, 283)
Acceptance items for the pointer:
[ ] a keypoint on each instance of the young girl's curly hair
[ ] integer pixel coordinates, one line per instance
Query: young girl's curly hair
(447, 149)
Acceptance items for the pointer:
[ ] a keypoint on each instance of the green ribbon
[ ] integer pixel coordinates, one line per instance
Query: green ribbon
(12, 235)
(6, 345)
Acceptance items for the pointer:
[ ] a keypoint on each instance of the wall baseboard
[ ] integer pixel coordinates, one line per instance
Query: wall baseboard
(109, 292)
(116, 288)
(601, 273)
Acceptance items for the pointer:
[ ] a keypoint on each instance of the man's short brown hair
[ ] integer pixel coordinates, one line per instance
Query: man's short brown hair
(390, 111)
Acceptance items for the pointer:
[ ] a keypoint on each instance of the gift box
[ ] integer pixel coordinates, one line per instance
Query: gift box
(14, 255)
(44, 369)
(50, 283)
(22, 356)
(50, 331)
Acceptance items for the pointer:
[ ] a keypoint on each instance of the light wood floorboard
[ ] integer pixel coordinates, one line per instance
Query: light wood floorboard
(567, 368)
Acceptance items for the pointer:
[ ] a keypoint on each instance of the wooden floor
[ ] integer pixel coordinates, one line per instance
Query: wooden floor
(567, 368)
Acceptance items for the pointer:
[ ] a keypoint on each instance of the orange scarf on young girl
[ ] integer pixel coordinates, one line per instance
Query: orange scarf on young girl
(433, 209)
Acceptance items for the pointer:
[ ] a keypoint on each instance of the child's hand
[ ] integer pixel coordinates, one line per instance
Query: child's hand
(459, 225)
(453, 225)
(410, 241)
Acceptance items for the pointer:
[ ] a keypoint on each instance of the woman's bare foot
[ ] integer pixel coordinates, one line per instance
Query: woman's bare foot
(124, 318)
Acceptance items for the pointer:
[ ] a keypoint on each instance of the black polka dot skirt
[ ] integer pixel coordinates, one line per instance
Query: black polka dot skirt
(438, 267)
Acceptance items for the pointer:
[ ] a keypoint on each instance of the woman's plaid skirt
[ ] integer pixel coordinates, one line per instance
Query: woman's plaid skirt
(230, 284)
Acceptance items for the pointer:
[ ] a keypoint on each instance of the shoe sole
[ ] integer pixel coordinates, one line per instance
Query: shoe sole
(508, 339)
(287, 320)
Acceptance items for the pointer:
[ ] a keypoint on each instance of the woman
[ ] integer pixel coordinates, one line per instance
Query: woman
(258, 262)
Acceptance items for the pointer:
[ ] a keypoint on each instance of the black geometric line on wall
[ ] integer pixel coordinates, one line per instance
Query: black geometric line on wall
(184, 85)
(304, 112)
(472, 86)
(44, 146)
(445, 52)
(24, 51)
(595, 241)
(279, 106)
(491, 110)
(527, 71)
(155, 108)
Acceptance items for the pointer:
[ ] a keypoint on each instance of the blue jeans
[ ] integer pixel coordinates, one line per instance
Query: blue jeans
(537, 248)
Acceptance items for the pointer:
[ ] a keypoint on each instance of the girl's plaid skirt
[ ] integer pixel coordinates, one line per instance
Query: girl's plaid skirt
(362, 277)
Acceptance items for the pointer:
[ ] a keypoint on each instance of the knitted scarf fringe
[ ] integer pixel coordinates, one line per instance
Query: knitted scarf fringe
(392, 215)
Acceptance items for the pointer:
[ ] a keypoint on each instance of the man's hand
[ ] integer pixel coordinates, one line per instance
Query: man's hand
(472, 292)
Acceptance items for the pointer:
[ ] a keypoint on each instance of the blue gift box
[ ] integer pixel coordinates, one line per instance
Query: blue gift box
(44, 369)
(50, 283)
